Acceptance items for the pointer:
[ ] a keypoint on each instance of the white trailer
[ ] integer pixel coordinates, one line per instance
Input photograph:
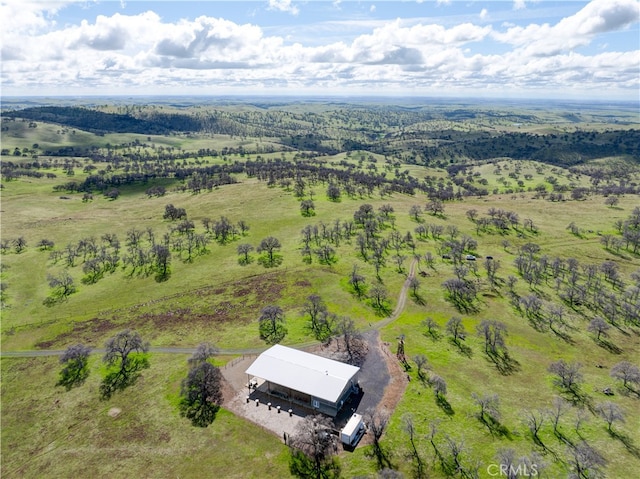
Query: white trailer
(352, 431)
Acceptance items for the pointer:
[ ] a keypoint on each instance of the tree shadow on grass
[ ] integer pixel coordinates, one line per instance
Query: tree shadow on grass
(628, 391)
(300, 465)
(73, 377)
(116, 381)
(119, 379)
(271, 262)
(443, 404)
(563, 335)
(382, 310)
(433, 334)
(200, 414)
(242, 261)
(626, 441)
(462, 348)
(418, 299)
(578, 398)
(562, 437)
(162, 277)
(381, 455)
(504, 363)
(608, 345)
(496, 428)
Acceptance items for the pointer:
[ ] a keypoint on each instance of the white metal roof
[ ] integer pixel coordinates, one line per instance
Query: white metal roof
(310, 374)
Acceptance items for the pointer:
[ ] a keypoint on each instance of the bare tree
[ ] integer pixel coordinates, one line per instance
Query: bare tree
(271, 324)
(534, 421)
(62, 285)
(627, 372)
(461, 293)
(421, 364)
(356, 280)
(355, 346)
(269, 245)
(125, 355)
(409, 427)
(203, 352)
(432, 327)
(610, 412)
(456, 329)
(472, 214)
(568, 375)
(435, 207)
(244, 249)
(493, 333)
(456, 449)
(489, 405)
(598, 326)
(582, 416)
(509, 467)
(379, 295)
(307, 208)
(558, 408)
(415, 212)
(19, 244)
(376, 422)
(313, 447)
(314, 306)
(439, 385)
(585, 461)
(414, 284)
(76, 366)
(611, 201)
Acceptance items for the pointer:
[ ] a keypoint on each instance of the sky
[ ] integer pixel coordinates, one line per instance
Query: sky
(444, 48)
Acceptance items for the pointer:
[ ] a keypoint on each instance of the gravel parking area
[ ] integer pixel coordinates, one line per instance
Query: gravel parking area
(381, 379)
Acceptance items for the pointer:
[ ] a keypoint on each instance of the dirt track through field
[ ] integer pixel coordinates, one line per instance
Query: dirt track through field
(402, 300)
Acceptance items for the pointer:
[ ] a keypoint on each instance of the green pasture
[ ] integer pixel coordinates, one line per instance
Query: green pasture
(46, 430)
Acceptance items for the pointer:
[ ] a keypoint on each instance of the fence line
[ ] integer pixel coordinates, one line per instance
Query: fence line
(235, 361)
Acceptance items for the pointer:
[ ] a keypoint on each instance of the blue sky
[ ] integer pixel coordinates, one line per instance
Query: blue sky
(510, 48)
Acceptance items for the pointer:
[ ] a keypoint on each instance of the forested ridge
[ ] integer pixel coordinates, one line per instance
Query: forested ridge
(101, 122)
(382, 130)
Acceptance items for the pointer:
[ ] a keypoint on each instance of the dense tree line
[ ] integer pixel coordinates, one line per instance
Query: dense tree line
(97, 121)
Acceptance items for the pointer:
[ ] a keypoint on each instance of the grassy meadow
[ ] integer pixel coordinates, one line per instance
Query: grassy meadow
(49, 431)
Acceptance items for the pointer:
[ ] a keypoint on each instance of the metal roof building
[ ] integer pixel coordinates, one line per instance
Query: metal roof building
(313, 381)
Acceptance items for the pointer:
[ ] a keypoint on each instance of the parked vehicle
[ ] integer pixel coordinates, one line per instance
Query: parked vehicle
(352, 431)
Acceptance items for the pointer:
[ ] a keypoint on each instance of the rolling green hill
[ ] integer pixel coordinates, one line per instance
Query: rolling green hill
(539, 249)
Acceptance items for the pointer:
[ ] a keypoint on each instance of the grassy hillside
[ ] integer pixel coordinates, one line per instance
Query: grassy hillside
(215, 296)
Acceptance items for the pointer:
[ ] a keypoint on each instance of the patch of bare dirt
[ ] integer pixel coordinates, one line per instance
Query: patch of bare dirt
(212, 308)
(114, 412)
(82, 332)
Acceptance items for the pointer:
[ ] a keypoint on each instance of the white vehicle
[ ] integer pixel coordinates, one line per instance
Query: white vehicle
(352, 431)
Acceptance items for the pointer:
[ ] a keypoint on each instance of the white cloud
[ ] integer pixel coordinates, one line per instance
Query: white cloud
(577, 30)
(29, 16)
(483, 13)
(519, 4)
(283, 6)
(372, 8)
(145, 53)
